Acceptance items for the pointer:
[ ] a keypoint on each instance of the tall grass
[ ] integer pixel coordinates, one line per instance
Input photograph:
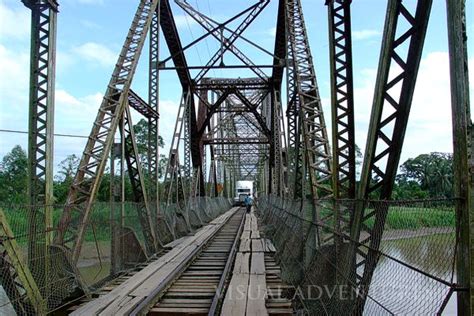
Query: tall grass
(416, 218)
(99, 227)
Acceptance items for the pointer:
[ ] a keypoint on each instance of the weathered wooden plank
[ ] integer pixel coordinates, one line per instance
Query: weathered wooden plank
(235, 301)
(121, 291)
(258, 263)
(242, 263)
(175, 242)
(257, 245)
(255, 234)
(245, 235)
(248, 220)
(256, 295)
(245, 245)
(254, 222)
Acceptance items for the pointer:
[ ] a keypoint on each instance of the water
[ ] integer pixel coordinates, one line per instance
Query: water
(94, 273)
(5, 306)
(403, 290)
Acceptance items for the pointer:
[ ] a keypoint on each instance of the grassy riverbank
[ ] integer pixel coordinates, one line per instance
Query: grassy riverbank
(415, 218)
(98, 229)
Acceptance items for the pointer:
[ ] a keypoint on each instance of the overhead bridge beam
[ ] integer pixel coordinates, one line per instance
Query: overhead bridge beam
(237, 140)
(137, 103)
(170, 33)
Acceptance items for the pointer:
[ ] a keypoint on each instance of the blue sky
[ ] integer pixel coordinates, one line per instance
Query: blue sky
(91, 33)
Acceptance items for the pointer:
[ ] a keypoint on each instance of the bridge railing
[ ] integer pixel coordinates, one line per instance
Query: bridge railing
(113, 243)
(415, 272)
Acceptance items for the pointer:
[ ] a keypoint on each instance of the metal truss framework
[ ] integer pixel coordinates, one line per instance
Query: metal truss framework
(41, 131)
(390, 111)
(234, 128)
(153, 102)
(86, 182)
(137, 180)
(306, 126)
(342, 99)
(239, 121)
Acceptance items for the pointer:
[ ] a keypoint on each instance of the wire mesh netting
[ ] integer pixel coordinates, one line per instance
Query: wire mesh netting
(415, 262)
(43, 280)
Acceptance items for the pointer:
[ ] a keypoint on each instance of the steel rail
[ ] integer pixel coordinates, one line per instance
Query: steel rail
(155, 294)
(230, 260)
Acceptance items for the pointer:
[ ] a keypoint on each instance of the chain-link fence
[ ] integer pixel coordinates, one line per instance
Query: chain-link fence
(415, 262)
(43, 280)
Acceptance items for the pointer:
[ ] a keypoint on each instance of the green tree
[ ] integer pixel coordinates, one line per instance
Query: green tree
(63, 180)
(13, 176)
(432, 172)
(141, 137)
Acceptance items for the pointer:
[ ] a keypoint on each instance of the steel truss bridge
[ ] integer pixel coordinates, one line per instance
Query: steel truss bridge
(312, 224)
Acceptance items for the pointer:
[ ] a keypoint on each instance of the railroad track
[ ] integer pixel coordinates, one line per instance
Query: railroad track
(199, 289)
(192, 278)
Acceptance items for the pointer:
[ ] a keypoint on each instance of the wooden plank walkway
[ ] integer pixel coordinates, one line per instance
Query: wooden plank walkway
(248, 291)
(125, 297)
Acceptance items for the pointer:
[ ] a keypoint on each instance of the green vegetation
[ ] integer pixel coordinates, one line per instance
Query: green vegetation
(416, 218)
(14, 172)
(17, 217)
(426, 176)
(13, 176)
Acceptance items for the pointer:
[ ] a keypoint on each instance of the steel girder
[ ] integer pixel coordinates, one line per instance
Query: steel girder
(463, 157)
(215, 30)
(228, 42)
(307, 130)
(238, 83)
(187, 143)
(342, 99)
(41, 136)
(389, 117)
(173, 157)
(138, 104)
(238, 129)
(153, 122)
(137, 181)
(280, 49)
(75, 218)
(41, 109)
(170, 33)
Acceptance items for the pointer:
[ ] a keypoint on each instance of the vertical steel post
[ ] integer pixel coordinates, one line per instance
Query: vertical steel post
(342, 98)
(112, 224)
(41, 135)
(462, 156)
(153, 123)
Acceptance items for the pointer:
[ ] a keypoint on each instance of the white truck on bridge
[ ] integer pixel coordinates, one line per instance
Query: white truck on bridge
(242, 189)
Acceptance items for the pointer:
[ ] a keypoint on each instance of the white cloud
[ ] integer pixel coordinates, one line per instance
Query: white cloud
(365, 34)
(97, 53)
(90, 25)
(168, 113)
(14, 23)
(183, 21)
(14, 67)
(272, 31)
(429, 126)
